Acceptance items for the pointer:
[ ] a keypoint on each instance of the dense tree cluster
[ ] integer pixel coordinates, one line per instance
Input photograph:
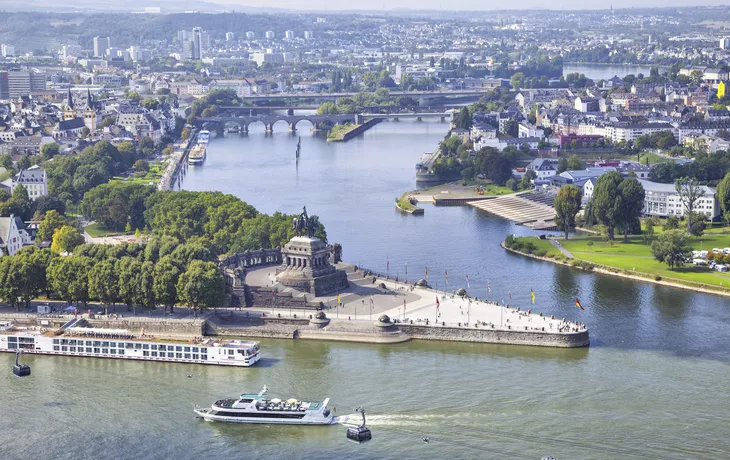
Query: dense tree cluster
(616, 203)
(365, 101)
(707, 169)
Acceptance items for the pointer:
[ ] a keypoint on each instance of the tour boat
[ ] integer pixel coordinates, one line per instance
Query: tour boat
(197, 155)
(256, 408)
(204, 137)
(121, 344)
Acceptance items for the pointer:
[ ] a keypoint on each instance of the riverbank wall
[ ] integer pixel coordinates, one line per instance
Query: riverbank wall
(177, 159)
(484, 335)
(357, 130)
(638, 276)
(134, 324)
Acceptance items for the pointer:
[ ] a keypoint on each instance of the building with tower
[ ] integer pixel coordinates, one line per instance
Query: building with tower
(78, 115)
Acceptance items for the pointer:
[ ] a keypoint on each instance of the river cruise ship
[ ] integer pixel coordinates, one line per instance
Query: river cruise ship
(257, 408)
(197, 155)
(204, 137)
(121, 344)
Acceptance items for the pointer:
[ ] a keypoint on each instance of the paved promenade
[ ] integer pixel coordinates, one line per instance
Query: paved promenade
(407, 303)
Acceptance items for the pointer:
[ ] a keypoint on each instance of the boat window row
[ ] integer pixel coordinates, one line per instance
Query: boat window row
(21, 339)
(113, 351)
(130, 345)
(256, 414)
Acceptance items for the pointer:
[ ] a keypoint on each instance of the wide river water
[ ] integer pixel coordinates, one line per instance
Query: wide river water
(653, 384)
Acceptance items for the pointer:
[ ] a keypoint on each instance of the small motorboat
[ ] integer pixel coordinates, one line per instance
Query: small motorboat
(21, 370)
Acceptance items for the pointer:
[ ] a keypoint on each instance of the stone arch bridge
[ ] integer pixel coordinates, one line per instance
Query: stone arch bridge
(318, 122)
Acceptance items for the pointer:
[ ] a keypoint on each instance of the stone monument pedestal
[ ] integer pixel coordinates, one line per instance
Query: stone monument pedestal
(306, 267)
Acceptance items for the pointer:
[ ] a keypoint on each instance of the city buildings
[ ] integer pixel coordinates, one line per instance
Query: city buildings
(269, 34)
(289, 35)
(7, 50)
(230, 36)
(17, 83)
(101, 44)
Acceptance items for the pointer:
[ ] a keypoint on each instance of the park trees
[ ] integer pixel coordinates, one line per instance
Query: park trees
(117, 205)
(632, 204)
(144, 293)
(128, 275)
(201, 286)
(65, 239)
(574, 163)
(527, 179)
(567, 204)
(166, 274)
(672, 248)
(49, 150)
(51, 222)
(69, 276)
(19, 204)
(606, 201)
(562, 165)
(104, 282)
(723, 196)
(689, 191)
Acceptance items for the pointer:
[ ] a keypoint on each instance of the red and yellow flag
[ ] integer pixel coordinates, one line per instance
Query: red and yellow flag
(577, 304)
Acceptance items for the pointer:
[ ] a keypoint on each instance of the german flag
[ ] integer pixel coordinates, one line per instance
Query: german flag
(577, 304)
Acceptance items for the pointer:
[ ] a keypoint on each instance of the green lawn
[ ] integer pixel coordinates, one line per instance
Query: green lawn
(98, 230)
(151, 177)
(635, 256)
(654, 158)
(496, 190)
(337, 133)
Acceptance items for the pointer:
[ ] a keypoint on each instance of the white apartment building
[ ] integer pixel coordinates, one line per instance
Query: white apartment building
(34, 180)
(662, 200)
(630, 131)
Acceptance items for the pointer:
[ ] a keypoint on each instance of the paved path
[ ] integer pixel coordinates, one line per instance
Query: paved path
(561, 248)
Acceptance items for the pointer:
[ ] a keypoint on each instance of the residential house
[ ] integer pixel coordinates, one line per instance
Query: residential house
(543, 167)
(12, 235)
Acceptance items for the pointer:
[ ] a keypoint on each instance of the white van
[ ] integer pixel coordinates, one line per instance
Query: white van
(721, 268)
(700, 262)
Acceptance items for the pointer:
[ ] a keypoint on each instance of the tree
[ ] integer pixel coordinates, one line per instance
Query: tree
(672, 248)
(516, 80)
(166, 274)
(141, 165)
(567, 204)
(723, 196)
(185, 134)
(689, 191)
(144, 292)
(527, 179)
(672, 223)
(562, 165)
(46, 203)
(632, 203)
(85, 131)
(42, 258)
(104, 282)
(129, 270)
(151, 103)
(201, 286)
(512, 185)
(48, 226)
(606, 201)
(19, 204)
(24, 162)
(49, 150)
(66, 239)
(6, 161)
(327, 108)
(574, 163)
(69, 276)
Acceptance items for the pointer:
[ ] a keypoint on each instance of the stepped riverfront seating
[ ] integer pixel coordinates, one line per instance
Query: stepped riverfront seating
(521, 210)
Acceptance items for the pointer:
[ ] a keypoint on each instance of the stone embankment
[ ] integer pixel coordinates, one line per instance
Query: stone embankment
(533, 338)
(356, 130)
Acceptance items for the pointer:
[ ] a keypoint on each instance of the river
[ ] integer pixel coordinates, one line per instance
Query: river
(596, 71)
(653, 384)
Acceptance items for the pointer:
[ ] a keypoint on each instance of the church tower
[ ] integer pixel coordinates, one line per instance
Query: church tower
(69, 113)
(90, 112)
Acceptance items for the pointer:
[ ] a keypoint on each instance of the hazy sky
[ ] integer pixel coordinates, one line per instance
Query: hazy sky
(464, 4)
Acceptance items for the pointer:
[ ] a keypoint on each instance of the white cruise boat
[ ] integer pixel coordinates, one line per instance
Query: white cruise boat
(203, 137)
(121, 344)
(197, 155)
(256, 408)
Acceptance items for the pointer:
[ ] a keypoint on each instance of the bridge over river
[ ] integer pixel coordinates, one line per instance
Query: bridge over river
(318, 122)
